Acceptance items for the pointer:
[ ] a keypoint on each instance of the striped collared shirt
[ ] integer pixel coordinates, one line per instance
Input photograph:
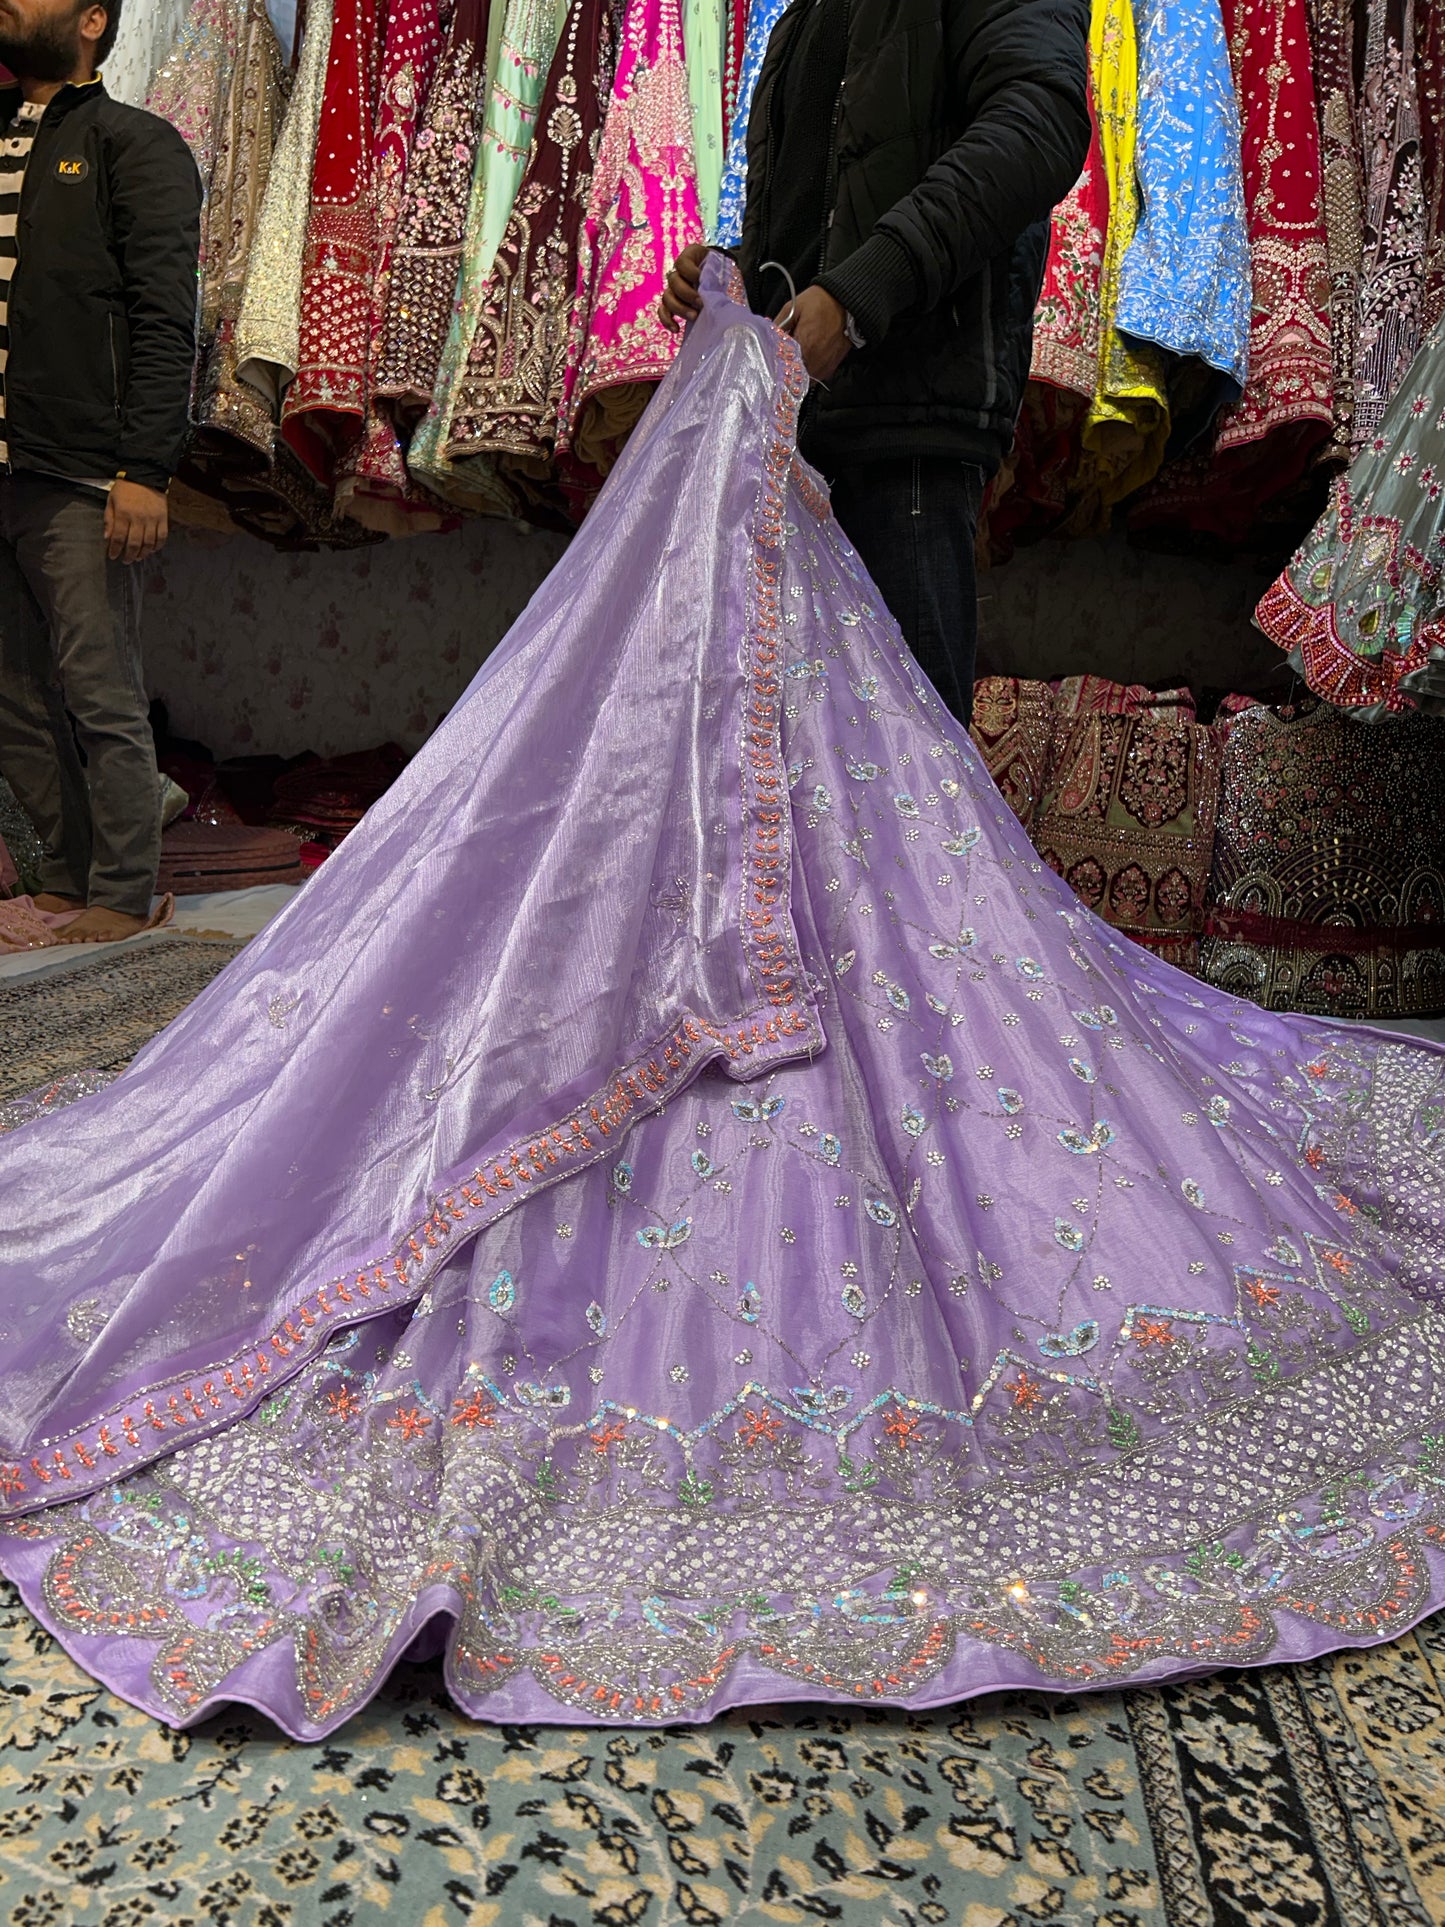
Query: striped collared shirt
(15, 143)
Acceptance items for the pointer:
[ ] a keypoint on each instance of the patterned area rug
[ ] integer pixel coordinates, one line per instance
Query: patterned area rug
(1285, 1797)
(97, 1014)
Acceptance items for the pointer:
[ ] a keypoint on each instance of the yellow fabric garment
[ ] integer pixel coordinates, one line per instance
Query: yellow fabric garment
(1127, 425)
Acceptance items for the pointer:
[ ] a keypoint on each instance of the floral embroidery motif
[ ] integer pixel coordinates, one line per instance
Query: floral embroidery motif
(1289, 338)
(268, 328)
(1013, 725)
(1388, 319)
(427, 251)
(340, 256)
(372, 464)
(1066, 315)
(1128, 810)
(529, 36)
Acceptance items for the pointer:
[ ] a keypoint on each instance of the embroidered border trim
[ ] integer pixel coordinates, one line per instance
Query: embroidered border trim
(768, 938)
(1034, 1612)
(1306, 631)
(1330, 939)
(65, 1466)
(1331, 668)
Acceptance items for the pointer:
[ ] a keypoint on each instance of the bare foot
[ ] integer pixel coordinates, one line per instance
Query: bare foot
(57, 906)
(101, 926)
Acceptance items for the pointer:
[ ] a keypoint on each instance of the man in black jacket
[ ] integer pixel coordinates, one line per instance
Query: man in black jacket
(99, 240)
(903, 158)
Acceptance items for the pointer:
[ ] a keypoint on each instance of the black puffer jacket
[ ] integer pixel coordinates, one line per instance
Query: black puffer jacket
(103, 298)
(959, 125)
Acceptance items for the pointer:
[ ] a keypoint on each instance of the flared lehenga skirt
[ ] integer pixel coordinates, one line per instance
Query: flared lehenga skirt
(689, 1208)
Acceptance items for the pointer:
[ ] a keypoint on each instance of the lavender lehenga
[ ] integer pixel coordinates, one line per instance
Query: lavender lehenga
(686, 1209)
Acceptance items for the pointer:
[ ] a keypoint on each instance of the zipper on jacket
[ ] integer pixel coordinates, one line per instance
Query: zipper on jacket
(114, 365)
(830, 172)
(990, 338)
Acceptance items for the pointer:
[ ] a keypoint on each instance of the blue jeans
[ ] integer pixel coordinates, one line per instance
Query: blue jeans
(914, 522)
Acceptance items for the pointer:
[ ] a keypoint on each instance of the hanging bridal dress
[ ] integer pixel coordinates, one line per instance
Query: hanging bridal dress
(685, 1209)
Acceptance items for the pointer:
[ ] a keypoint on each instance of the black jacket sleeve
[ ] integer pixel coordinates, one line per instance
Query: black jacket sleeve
(155, 195)
(1021, 77)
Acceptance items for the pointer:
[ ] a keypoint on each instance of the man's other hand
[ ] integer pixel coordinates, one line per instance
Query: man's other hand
(819, 325)
(682, 299)
(136, 522)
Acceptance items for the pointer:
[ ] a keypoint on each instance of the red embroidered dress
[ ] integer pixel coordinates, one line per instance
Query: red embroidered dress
(325, 402)
(1066, 318)
(1390, 304)
(1289, 339)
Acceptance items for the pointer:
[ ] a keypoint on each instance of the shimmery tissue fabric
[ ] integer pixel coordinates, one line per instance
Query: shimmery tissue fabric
(686, 1207)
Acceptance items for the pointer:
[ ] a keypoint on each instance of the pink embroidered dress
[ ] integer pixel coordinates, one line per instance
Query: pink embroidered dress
(643, 212)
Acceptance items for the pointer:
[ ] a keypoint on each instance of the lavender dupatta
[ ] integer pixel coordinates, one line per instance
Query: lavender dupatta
(470, 1000)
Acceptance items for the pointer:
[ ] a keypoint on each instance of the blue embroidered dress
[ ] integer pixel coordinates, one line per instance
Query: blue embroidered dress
(1186, 277)
(763, 16)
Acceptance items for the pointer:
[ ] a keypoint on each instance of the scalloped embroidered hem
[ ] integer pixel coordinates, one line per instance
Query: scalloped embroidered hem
(848, 1595)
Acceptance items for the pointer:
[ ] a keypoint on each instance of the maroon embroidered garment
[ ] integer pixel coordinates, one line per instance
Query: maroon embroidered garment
(1389, 304)
(1431, 82)
(509, 400)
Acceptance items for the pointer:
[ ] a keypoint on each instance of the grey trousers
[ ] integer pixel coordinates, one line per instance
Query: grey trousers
(71, 689)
